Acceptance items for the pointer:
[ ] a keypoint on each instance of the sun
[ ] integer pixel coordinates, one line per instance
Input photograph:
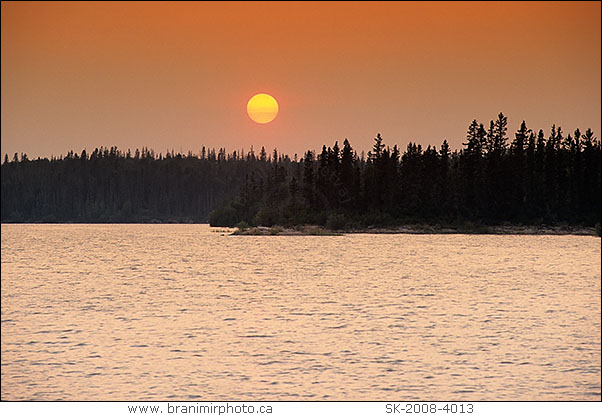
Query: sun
(262, 108)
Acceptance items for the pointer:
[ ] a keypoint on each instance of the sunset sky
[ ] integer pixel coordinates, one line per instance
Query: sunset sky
(179, 75)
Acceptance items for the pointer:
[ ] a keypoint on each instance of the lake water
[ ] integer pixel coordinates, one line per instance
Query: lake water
(180, 312)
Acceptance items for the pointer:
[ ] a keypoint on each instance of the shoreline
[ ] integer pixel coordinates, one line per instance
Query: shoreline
(314, 230)
(317, 230)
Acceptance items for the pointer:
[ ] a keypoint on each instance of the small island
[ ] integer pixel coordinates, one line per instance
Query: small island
(531, 185)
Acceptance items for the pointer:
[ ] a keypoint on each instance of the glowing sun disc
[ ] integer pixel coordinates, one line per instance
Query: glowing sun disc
(262, 108)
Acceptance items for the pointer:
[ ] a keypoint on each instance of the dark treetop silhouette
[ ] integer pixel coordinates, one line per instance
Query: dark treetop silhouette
(532, 180)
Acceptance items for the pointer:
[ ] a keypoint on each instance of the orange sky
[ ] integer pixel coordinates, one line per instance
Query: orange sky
(179, 75)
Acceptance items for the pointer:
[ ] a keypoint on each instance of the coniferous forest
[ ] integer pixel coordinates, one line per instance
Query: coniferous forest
(530, 178)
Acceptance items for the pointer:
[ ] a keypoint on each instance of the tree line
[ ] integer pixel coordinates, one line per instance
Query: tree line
(532, 178)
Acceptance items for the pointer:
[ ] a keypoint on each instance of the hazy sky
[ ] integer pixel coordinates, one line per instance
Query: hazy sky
(178, 75)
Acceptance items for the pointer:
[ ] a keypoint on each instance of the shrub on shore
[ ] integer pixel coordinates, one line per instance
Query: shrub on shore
(242, 225)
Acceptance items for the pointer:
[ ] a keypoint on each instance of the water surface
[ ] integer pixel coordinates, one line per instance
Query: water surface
(180, 312)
